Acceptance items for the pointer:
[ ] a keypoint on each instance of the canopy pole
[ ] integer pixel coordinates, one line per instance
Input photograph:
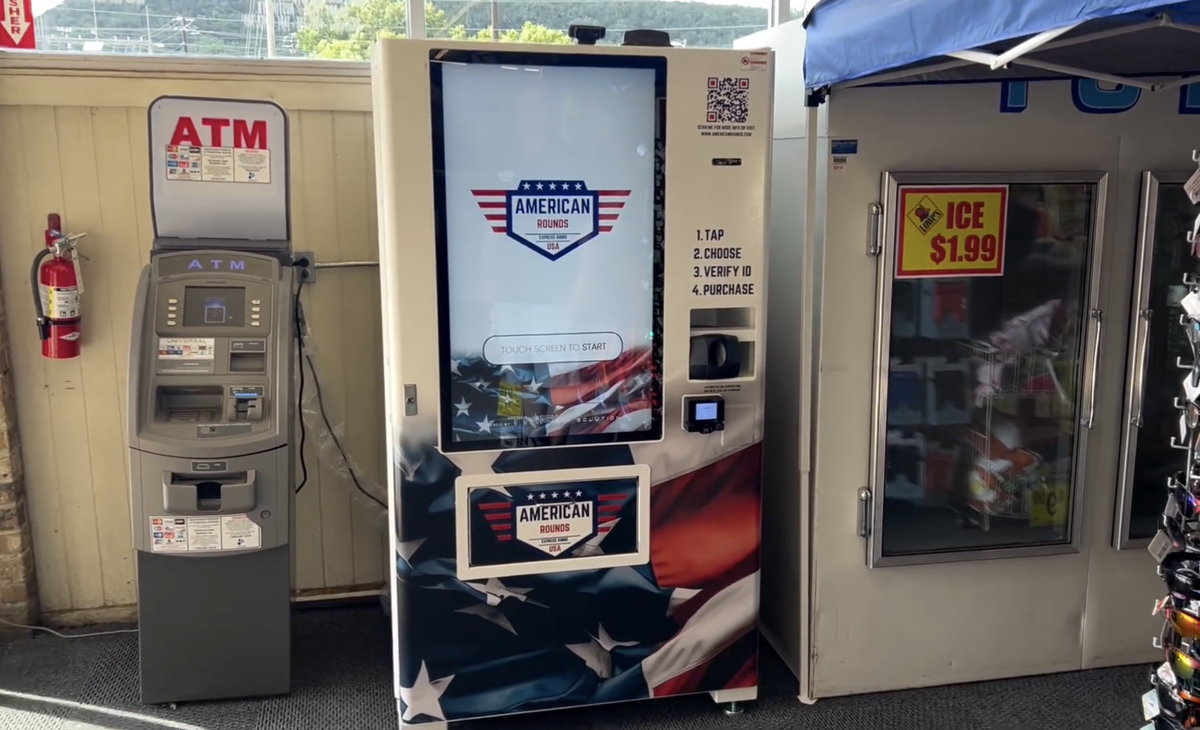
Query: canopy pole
(1187, 81)
(1029, 45)
(988, 58)
(1069, 71)
(1162, 21)
(1186, 26)
(905, 73)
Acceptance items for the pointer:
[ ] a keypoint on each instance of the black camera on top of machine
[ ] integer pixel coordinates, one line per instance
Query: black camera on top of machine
(586, 35)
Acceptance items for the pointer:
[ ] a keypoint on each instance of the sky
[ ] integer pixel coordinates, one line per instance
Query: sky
(41, 6)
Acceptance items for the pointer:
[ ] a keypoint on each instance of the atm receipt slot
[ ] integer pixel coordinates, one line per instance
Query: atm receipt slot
(703, 414)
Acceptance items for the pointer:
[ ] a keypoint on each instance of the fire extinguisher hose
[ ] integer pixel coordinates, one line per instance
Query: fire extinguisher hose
(35, 284)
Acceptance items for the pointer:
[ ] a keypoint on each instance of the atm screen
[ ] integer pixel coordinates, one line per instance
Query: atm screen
(547, 249)
(214, 306)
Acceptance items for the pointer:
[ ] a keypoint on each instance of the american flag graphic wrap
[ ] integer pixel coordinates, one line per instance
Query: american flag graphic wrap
(685, 622)
(516, 402)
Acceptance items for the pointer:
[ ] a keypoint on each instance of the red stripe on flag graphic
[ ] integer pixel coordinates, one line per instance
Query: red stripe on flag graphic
(611, 205)
(493, 203)
(499, 517)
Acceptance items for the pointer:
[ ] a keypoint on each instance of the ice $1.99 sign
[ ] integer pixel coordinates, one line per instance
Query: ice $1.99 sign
(951, 231)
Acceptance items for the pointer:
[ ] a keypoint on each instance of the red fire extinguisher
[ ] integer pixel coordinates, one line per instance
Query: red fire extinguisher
(56, 291)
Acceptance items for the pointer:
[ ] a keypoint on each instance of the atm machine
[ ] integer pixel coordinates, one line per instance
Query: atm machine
(572, 260)
(211, 405)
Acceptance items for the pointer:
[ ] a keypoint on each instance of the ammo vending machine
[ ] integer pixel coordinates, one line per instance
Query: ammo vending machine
(211, 405)
(572, 260)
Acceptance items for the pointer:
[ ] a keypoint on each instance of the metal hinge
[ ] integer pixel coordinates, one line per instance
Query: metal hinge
(874, 230)
(864, 512)
(410, 399)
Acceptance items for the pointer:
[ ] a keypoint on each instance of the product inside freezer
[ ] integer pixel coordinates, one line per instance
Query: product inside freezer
(983, 391)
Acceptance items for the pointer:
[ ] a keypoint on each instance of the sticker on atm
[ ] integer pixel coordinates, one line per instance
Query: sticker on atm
(546, 522)
(214, 533)
(168, 534)
(186, 348)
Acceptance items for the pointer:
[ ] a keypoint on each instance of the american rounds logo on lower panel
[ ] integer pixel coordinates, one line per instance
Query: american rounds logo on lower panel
(552, 521)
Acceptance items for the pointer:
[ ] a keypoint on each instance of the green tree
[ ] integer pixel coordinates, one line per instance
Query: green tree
(220, 26)
(529, 33)
(347, 32)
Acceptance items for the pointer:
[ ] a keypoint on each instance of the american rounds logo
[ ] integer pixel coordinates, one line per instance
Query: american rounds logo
(552, 217)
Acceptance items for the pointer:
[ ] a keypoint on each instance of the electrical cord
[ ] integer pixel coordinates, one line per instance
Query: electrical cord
(306, 357)
(299, 334)
(92, 634)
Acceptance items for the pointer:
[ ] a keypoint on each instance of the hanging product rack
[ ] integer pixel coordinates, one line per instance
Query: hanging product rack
(1174, 700)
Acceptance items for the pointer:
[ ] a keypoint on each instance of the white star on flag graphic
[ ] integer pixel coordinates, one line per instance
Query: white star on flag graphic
(424, 697)
(597, 653)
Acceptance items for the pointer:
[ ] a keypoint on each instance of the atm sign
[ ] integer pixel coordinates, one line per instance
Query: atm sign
(245, 134)
(217, 264)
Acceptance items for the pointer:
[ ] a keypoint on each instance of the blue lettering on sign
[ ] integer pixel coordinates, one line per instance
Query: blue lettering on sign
(1014, 97)
(1189, 99)
(1089, 98)
(234, 265)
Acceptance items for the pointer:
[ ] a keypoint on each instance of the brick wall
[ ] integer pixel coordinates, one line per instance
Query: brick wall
(18, 585)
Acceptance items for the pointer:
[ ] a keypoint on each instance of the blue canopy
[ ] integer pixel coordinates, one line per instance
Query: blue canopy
(854, 39)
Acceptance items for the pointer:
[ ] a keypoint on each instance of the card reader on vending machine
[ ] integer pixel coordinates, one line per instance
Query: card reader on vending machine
(703, 413)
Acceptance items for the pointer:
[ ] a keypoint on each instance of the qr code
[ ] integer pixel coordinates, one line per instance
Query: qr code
(728, 100)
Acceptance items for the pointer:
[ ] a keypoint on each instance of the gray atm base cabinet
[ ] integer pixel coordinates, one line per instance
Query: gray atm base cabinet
(214, 627)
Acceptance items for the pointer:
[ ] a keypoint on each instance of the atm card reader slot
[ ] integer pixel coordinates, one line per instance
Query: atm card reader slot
(246, 404)
(187, 493)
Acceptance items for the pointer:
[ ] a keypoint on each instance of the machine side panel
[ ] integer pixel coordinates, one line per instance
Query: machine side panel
(246, 649)
(137, 336)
